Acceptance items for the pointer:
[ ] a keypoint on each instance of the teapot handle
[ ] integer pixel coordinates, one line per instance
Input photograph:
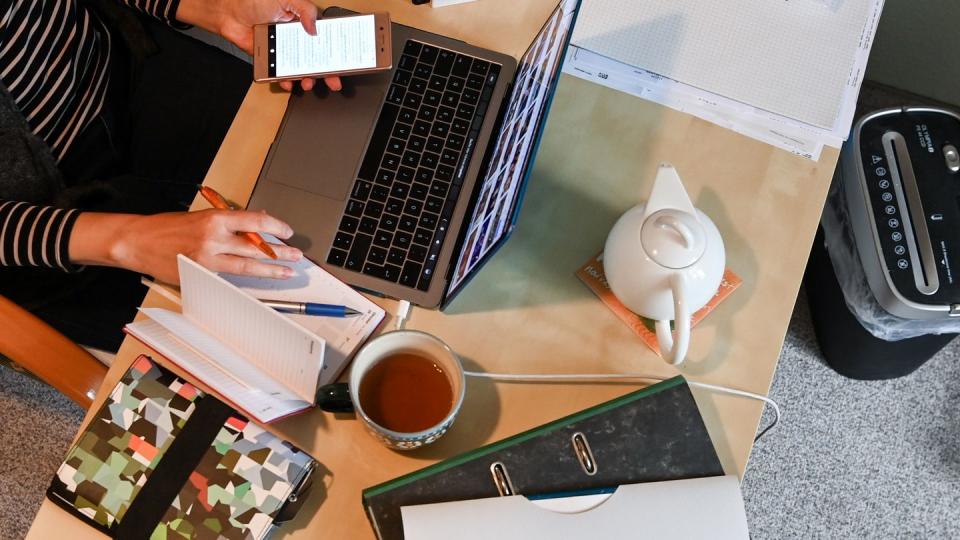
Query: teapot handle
(674, 345)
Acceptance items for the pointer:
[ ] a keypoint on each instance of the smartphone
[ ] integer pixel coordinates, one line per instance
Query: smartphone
(343, 46)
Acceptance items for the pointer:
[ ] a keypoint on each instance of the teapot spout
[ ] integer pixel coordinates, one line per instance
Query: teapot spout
(668, 193)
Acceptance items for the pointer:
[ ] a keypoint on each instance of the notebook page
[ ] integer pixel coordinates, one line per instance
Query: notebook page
(792, 58)
(287, 352)
(191, 348)
(310, 283)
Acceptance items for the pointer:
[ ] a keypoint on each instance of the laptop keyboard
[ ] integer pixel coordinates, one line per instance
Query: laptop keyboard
(402, 201)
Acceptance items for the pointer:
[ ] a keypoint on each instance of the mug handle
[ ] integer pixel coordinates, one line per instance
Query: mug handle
(674, 345)
(335, 398)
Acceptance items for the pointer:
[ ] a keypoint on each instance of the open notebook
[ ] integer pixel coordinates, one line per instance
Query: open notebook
(262, 361)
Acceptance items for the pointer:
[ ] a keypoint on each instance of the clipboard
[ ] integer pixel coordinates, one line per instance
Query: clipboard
(650, 435)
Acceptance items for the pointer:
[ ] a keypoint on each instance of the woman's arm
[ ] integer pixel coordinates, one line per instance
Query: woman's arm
(32, 235)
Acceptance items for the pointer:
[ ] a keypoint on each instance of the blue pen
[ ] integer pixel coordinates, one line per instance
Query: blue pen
(309, 308)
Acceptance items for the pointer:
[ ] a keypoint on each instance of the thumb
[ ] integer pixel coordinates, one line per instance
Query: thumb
(307, 13)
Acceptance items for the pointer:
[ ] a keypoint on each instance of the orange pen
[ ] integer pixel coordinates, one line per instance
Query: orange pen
(218, 202)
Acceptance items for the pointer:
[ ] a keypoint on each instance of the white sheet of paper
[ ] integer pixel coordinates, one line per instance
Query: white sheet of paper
(311, 283)
(700, 508)
(288, 352)
(792, 58)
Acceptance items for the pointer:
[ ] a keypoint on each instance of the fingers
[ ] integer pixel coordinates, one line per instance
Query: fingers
(243, 221)
(307, 12)
(306, 84)
(245, 266)
(241, 247)
(287, 85)
(333, 83)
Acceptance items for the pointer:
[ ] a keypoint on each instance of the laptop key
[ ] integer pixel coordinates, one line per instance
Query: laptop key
(454, 141)
(405, 175)
(427, 113)
(382, 239)
(376, 256)
(380, 193)
(444, 62)
(395, 94)
(400, 190)
(438, 83)
(384, 177)
(424, 176)
(368, 225)
(396, 256)
(461, 65)
(479, 66)
(445, 114)
(412, 47)
(417, 85)
(439, 188)
(422, 237)
(388, 222)
(358, 251)
(394, 206)
(413, 207)
(450, 157)
(349, 224)
(428, 54)
(412, 101)
(465, 111)
(455, 84)
(411, 159)
(391, 272)
(402, 239)
(417, 253)
(450, 99)
(395, 146)
(402, 77)
(470, 96)
(475, 82)
(342, 240)
(460, 126)
(361, 190)
(416, 143)
(407, 223)
(407, 62)
(422, 128)
(373, 209)
(432, 98)
(407, 115)
(429, 160)
(354, 208)
(337, 257)
(435, 144)
(434, 204)
(444, 173)
(400, 131)
(429, 220)
(423, 71)
(410, 274)
(419, 191)
(440, 129)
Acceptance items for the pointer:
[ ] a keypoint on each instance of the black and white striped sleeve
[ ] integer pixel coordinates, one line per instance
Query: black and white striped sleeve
(165, 10)
(33, 235)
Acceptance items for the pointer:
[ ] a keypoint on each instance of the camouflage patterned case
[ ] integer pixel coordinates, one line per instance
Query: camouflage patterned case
(226, 477)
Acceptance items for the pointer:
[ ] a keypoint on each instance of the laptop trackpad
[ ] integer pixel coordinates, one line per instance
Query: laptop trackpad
(324, 136)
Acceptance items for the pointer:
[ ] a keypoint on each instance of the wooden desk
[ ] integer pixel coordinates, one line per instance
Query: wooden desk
(526, 311)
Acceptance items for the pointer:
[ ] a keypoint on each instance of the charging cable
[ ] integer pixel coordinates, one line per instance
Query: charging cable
(403, 313)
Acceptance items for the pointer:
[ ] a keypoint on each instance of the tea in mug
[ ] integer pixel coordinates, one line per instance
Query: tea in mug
(406, 393)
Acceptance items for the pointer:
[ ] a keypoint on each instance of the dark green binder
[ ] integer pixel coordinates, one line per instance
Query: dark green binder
(649, 435)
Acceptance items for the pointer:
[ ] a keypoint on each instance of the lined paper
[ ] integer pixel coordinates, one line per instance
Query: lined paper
(310, 283)
(282, 349)
(175, 337)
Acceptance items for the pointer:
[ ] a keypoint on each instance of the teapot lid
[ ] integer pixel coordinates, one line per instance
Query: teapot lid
(673, 238)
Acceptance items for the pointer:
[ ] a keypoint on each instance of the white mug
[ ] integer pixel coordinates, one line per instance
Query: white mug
(390, 344)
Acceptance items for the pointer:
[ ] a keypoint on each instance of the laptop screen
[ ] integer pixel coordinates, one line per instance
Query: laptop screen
(496, 208)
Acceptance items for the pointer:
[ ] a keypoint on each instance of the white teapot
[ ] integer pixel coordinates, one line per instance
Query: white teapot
(664, 260)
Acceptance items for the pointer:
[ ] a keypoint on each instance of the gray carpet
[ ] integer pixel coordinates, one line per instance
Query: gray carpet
(849, 460)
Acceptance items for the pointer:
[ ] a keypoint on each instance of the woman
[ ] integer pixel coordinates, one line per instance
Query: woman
(109, 118)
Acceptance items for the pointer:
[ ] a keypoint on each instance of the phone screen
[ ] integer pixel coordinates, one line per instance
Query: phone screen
(341, 44)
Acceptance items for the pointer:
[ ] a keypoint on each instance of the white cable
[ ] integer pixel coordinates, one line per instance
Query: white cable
(586, 377)
(403, 313)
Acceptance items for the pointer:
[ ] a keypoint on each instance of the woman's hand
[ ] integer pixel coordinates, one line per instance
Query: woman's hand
(235, 19)
(150, 244)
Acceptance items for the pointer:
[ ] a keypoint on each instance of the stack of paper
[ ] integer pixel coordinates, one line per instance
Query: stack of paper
(786, 73)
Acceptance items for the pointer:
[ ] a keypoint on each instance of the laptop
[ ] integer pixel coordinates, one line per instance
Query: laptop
(406, 182)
